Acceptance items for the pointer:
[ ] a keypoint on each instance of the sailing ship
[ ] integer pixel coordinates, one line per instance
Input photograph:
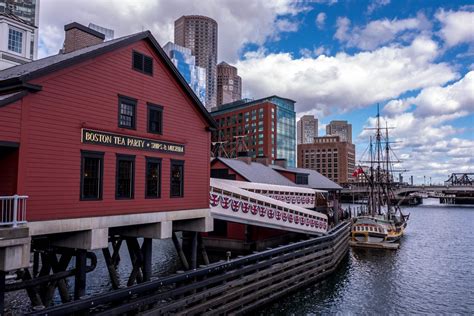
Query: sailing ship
(383, 223)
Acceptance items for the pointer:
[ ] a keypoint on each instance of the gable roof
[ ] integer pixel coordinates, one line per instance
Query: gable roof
(256, 172)
(315, 179)
(17, 77)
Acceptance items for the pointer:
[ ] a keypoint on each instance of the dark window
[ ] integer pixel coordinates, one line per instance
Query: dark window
(155, 119)
(91, 175)
(301, 178)
(153, 178)
(127, 112)
(125, 177)
(142, 63)
(177, 178)
(222, 174)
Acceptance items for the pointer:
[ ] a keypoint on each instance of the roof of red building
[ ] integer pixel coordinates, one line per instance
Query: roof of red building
(315, 179)
(257, 172)
(18, 77)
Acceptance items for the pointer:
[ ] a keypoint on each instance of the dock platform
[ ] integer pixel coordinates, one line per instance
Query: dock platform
(381, 245)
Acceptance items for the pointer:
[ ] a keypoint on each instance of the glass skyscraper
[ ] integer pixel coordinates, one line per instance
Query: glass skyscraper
(286, 129)
(186, 63)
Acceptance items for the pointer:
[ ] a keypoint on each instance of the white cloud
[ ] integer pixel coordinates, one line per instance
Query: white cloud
(255, 22)
(342, 24)
(453, 98)
(375, 4)
(457, 27)
(379, 32)
(320, 20)
(343, 82)
(315, 52)
(426, 145)
(426, 135)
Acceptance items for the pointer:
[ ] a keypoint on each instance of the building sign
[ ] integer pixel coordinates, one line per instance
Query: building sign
(110, 139)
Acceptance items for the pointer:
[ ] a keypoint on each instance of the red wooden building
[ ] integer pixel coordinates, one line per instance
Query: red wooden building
(105, 136)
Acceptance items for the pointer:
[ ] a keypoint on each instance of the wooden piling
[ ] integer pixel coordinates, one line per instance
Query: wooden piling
(2, 292)
(202, 249)
(114, 279)
(80, 274)
(180, 251)
(147, 254)
(194, 250)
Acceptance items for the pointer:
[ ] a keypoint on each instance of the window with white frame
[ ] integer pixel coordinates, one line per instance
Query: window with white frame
(15, 40)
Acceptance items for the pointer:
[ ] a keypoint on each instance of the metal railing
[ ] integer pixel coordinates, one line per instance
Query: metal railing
(13, 210)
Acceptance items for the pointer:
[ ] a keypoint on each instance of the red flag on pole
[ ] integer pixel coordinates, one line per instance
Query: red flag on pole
(357, 172)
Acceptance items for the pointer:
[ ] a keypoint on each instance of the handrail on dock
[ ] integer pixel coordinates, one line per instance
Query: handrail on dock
(13, 210)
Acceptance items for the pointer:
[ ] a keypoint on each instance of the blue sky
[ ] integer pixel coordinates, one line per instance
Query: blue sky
(337, 59)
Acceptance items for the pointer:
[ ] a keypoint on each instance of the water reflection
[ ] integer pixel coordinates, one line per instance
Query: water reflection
(432, 272)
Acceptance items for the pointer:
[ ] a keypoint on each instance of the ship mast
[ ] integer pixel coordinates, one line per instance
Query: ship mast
(378, 144)
(371, 182)
(387, 160)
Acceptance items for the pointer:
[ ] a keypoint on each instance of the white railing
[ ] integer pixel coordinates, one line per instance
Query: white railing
(13, 210)
(301, 196)
(229, 202)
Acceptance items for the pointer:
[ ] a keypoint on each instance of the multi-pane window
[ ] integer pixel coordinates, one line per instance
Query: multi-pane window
(177, 178)
(301, 178)
(91, 175)
(153, 178)
(15, 41)
(125, 177)
(127, 112)
(142, 63)
(155, 119)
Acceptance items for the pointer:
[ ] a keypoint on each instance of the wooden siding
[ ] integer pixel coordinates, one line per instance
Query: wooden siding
(86, 96)
(10, 122)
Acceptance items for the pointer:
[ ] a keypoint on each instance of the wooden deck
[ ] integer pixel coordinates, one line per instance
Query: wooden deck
(381, 245)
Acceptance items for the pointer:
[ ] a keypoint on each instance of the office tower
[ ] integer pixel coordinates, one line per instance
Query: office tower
(109, 33)
(199, 33)
(28, 11)
(267, 126)
(330, 156)
(229, 84)
(186, 63)
(307, 129)
(340, 128)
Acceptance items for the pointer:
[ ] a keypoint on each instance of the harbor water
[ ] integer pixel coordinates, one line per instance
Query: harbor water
(431, 273)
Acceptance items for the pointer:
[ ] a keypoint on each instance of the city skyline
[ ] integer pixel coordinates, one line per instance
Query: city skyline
(352, 45)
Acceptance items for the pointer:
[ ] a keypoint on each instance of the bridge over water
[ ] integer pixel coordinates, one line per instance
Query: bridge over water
(458, 189)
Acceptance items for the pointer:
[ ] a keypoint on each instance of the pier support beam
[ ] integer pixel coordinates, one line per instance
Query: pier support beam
(87, 239)
(194, 243)
(80, 276)
(2, 292)
(147, 252)
(180, 251)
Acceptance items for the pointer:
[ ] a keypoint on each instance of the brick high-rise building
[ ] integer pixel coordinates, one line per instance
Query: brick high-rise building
(340, 128)
(307, 129)
(27, 10)
(333, 158)
(267, 126)
(229, 84)
(199, 33)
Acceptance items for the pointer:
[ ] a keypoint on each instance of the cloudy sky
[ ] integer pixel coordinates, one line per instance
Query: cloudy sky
(337, 59)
